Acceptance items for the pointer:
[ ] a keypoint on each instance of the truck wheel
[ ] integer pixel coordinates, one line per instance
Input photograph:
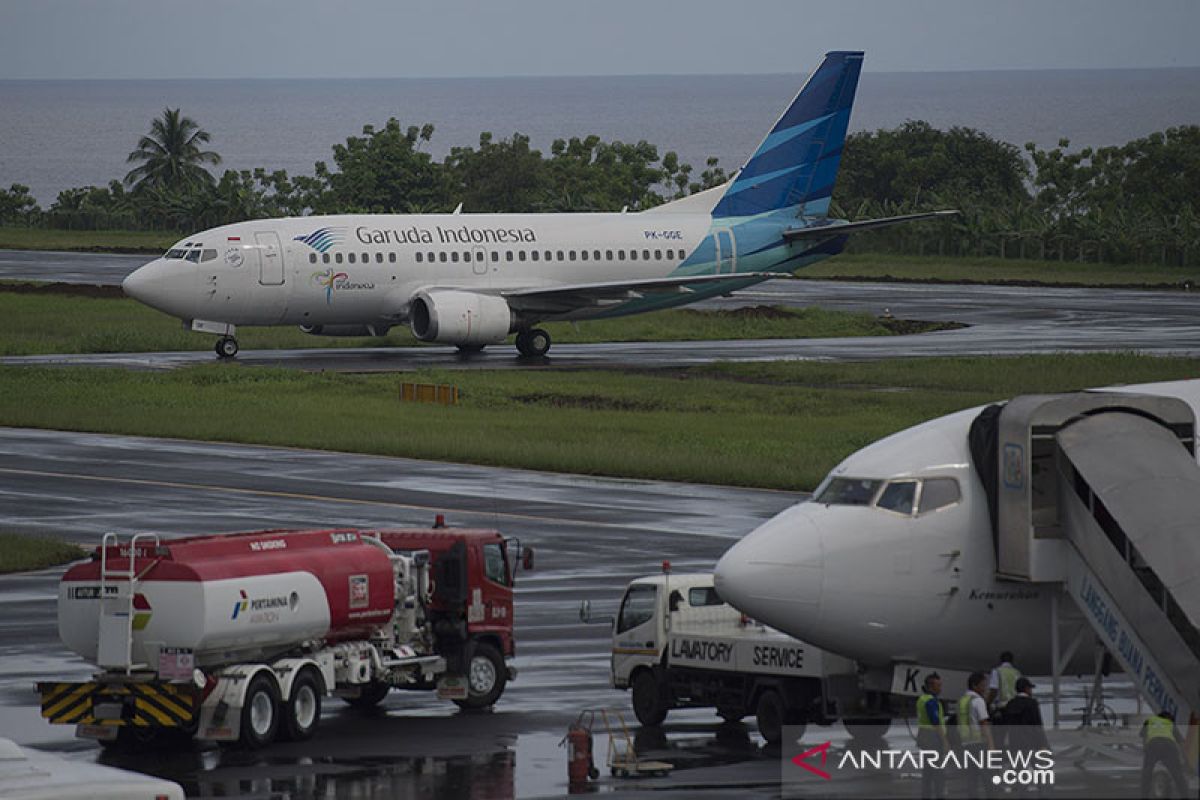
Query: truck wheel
(303, 711)
(649, 699)
(260, 713)
(769, 713)
(486, 676)
(372, 695)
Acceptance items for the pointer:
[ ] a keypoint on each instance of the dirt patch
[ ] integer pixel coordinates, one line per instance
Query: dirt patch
(590, 402)
(73, 289)
(905, 327)
(745, 312)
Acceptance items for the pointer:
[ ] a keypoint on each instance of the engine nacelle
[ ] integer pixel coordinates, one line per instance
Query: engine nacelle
(345, 330)
(456, 317)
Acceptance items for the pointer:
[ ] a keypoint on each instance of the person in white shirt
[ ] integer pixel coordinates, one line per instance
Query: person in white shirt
(975, 733)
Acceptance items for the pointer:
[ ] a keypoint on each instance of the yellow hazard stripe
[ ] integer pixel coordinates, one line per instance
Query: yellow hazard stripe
(634, 651)
(59, 708)
(163, 704)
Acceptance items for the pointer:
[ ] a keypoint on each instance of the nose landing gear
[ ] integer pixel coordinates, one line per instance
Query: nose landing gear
(227, 347)
(533, 343)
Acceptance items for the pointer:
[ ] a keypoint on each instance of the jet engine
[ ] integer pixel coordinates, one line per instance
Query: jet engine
(345, 330)
(462, 318)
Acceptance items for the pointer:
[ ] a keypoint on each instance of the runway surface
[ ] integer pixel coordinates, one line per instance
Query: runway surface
(1003, 320)
(591, 536)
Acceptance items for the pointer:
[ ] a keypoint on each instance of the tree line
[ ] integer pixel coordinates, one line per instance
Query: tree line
(1138, 202)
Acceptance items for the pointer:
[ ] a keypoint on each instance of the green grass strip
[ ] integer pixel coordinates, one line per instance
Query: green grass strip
(779, 425)
(21, 553)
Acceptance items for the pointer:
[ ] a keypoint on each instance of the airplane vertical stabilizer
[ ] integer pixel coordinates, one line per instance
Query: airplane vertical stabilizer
(796, 165)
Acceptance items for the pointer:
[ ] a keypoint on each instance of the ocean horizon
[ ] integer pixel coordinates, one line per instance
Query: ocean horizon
(59, 134)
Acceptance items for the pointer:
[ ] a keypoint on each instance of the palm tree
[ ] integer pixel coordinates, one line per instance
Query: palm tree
(171, 156)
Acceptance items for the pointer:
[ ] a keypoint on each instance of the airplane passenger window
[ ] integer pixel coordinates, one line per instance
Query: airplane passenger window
(454, 256)
(366, 257)
(392, 257)
(560, 255)
(325, 258)
(670, 255)
(337, 257)
(638, 606)
(419, 257)
(350, 257)
(442, 256)
(583, 256)
(495, 255)
(534, 255)
(379, 258)
(646, 255)
(898, 496)
(938, 493)
(572, 255)
(848, 492)
(520, 255)
(467, 257)
(620, 255)
(193, 256)
(633, 255)
(312, 258)
(208, 255)
(704, 596)
(596, 255)
(658, 255)
(508, 256)
(431, 257)
(608, 255)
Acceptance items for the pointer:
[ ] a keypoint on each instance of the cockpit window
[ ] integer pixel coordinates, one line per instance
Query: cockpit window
(175, 252)
(193, 256)
(208, 255)
(849, 492)
(898, 496)
(939, 493)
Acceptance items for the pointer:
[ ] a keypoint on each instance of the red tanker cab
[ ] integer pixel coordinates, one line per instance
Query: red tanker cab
(473, 571)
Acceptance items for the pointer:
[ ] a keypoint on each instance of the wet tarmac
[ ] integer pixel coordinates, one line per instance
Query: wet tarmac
(591, 536)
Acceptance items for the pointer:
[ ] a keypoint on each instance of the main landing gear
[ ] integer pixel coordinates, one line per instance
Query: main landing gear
(227, 347)
(533, 343)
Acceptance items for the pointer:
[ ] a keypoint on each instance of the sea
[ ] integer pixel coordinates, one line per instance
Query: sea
(58, 134)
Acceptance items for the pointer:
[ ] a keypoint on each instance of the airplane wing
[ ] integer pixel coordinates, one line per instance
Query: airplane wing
(839, 229)
(562, 298)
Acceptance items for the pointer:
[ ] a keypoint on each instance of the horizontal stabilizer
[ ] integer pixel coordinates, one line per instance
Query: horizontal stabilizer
(833, 228)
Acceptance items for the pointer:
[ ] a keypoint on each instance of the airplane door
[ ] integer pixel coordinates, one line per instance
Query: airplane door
(726, 251)
(270, 258)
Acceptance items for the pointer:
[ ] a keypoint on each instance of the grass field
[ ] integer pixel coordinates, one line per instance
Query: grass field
(33, 323)
(778, 425)
(14, 237)
(20, 553)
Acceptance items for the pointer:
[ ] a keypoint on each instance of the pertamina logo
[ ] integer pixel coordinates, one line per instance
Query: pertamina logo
(240, 606)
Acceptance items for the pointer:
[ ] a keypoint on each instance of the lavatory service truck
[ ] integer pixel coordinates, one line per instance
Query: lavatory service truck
(237, 638)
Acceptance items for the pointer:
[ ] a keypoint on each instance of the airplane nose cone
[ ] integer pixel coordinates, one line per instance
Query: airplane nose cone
(137, 283)
(164, 285)
(774, 573)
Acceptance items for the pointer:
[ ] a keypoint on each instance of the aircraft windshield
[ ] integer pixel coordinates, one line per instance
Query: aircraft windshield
(176, 252)
(849, 492)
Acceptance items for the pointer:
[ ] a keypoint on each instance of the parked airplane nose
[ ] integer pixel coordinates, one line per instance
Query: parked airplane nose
(774, 573)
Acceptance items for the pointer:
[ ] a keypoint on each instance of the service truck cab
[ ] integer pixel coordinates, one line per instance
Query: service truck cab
(676, 644)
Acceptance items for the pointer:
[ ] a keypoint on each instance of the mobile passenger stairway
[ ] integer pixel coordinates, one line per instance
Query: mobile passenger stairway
(1100, 492)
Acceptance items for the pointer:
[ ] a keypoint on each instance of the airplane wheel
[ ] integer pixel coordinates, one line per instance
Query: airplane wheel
(227, 347)
(533, 343)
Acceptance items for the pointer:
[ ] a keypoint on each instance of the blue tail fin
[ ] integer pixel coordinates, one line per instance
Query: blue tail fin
(797, 163)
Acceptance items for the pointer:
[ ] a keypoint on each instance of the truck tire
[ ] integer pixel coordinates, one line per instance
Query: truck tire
(486, 677)
(260, 712)
(649, 699)
(302, 713)
(770, 713)
(372, 695)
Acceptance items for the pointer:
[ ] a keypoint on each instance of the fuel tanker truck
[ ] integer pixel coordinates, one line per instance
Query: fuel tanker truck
(237, 638)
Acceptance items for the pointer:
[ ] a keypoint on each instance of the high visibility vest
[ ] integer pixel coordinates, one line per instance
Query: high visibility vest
(1008, 684)
(1160, 728)
(924, 723)
(968, 731)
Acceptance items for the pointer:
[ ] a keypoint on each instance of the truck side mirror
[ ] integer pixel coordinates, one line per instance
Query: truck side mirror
(527, 558)
(674, 601)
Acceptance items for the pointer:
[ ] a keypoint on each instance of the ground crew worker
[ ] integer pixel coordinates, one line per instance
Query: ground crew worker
(975, 733)
(931, 735)
(1002, 683)
(1160, 743)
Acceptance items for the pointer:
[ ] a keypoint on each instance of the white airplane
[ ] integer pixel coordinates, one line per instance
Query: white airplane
(894, 559)
(472, 279)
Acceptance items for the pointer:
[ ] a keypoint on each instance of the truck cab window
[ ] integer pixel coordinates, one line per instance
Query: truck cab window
(494, 568)
(638, 606)
(704, 596)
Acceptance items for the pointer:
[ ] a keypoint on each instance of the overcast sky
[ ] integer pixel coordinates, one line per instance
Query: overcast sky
(452, 38)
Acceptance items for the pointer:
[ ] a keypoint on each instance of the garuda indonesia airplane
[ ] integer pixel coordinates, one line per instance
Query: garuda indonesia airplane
(470, 280)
